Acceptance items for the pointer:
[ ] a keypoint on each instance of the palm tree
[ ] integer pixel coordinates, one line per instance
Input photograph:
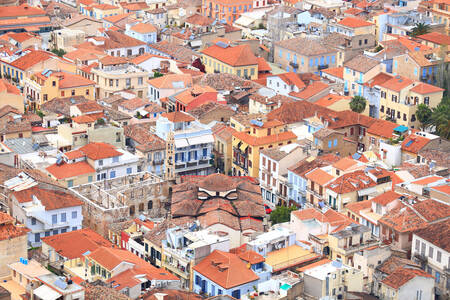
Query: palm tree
(419, 29)
(424, 115)
(358, 104)
(440, 118)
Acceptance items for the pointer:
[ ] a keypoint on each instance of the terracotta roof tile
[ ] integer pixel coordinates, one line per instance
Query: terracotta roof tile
(425, 88)
(350, 182)
(356, 207)
(198, 19)
(51, 199)
(8, 228)
(396, 83)
(386, 198)
(319, 176)
(240, 55)
(382, 128)
(97, 151)
(354, 22)
(414, 143)
(402, 275)
(265, 140)
(361, 63)
(178, 116)
(143, 28)
(437, 234)
(70, 170)
(336, 72)
(436, 38)
(331, 99)
(311, 90)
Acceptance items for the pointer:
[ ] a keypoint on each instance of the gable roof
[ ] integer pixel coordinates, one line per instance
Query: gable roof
(361, 63)
(51, 199)
(97, 151)
(240, 55)
(437, 234)
(225, 269)
(354, 22)
(436, 38)
(402, 275)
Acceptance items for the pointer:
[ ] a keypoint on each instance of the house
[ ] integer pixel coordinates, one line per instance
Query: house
(238, 60)
(434, 39)
(115, 73)
(360, 33)
(237, 221)
(228, 12)
(331, 279)
(144, 32)
(406, 283)
(303, 55)
(223, 150)
(431, 251)
(46, 85)
(223, 273)
(398, 225)
(13, 242)
(157, 17)
(23, 17)
(10, 95)
(151, 63)
(359, 70)
(189, 144)
(133, 106)
(24, 273)
(247, 145)
(167, 85)
(212, 111)
(46, 212)
(412, 144)
(331, 141)
(193, 97)
(273, 171)
(285, 83)
(334, 102)
(122, 268)
(333, 74)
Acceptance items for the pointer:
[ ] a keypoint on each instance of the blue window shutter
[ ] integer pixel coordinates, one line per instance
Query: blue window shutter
(311, 62)
(317, 61)
(333, 59)
(329, 144)
(335, 142)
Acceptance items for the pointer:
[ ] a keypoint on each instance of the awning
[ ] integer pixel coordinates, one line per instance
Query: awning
(45, 292)
(204, 139)
(368, 191)
(180, 143)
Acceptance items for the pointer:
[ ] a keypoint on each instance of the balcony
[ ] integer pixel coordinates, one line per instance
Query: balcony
(355, 248)
(179, 270)
(321, 67)
(316, 194)
(294, 64)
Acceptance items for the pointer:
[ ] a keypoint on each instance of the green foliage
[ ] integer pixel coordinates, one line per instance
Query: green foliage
(281, 214)
(40, 114)
(157, 74)
(440, 118)
(424, 115)
(358, 104)
(378, 48)
(419, 29)
(59, 52)
(100, 121)
(261, 26)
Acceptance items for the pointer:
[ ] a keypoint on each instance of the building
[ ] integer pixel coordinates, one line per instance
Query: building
(222, 273)
(285, 83)
(189, 144)
(223, 149)
(303, 55)
(22, 18)
(198, 198)
(359, 33)
(167, 85)
(46, 212)
(407, 283)
(223, 10)
(193, 97)
(430, 250)
(359, 70)
(331, 279)
(10, 95)
(273, 171)
(24, 273)
(248, 144)
(115, 74)
(66, 38)
(238, 60)
(144, 32)
(13, 242)
(434, 39)
(46, 85)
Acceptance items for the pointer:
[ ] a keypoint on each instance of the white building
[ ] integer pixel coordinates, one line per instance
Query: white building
(144, 32)
(275, 239)
(286, 83)
(46, 212)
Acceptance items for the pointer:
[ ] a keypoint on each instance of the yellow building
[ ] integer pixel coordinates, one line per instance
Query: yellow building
(46, 85)
(238, 60)
(100, 11)
(247, 145)
(358, 71)
(400, 97)
(10, 95)
(116, 74)
(223, 148)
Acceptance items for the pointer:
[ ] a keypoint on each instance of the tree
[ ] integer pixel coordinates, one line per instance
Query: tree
(419, 29)
(440, 118)
(424, 115)
(100, 121)
(59, 52)
(156, 74)
(281, 214)
(358, 104)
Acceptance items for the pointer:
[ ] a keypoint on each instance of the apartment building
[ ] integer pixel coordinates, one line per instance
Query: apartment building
(359, 33)
(115, 74)
(358, 71)
(224, 10)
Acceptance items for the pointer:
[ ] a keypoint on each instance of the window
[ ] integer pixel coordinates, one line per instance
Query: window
(47, 233)
(70, 183)
(417, 245)
(62, 93)
(111, 82)
(140, 80)
(426, 100)
(329, 144)
(430, 252)
(63, 230)
(438, 256)
(129, 170)
(63, 217)
(112, 174)
(55, 232)
(37, 237)
(33, 221)
(54, 219)
(383, 94)
(115, 159)
(73, 92)
(74, 215)
(129, 52)
(74, 228)
(100, 162)
(87, 92)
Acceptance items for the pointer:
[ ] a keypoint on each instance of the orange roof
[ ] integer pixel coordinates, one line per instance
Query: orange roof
(263, 66)
(178, 116)
(336, 72)
(85, 119)
(311, 90)
(436, 38)
(20, 11)
(167, 81)
(351, 182)
(192, 93)
(414, 143)
(397, 83)
(30, 59)
(402, 275)
(75, 243)
(345, 163)
(67, 80)
(89, 107)
(386, 197)
(74, 154)
(411, 44)
(97, 151)
(313, 265)
(113, 60)
(50, 199)
(356, 207)
(19, 36)
(141, 58)
(425, 88)
(225, 269)
(331, 99)
(292, 78)
(9, 229)
(334, 218)
(354, 22)
(134, 103)
(70, 170)
(144, 28)
(116, 18)
(427, 180)
(104, 6)
(442, 188)
(265, 140)
(240, 55)
(382, 128)
(6, 87)
(319, 176)
(251, 257)
(378, 79)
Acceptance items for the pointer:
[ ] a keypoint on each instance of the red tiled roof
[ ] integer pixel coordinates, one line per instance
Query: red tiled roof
(350, 182)
(356, 207)
(265, 140)
(425, 88)
(330, 99)
(437, 234)
(345, 163)
(225, 269)
(144, 28)
(116, 18)
(319, 176)
(292, 78)
(311, 90)
(263, 66)
(178, 116)
(402, 275)
(30, 59)
(414, 143)
(354, 22)
(75, 243)
(386, 198)
(436, 38)
(70, 170)
(198, 19)
(240, 55)
(336, 72)
(382, 128)
(378, 79)
(427, 180)
(74, 154)
(396, 83)
(20, 11)
(6, 87)
(442, 188)
(251, 257)
(313, 265)
(97, 151)
(134, 103)
(51, 199)
(9, 230)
